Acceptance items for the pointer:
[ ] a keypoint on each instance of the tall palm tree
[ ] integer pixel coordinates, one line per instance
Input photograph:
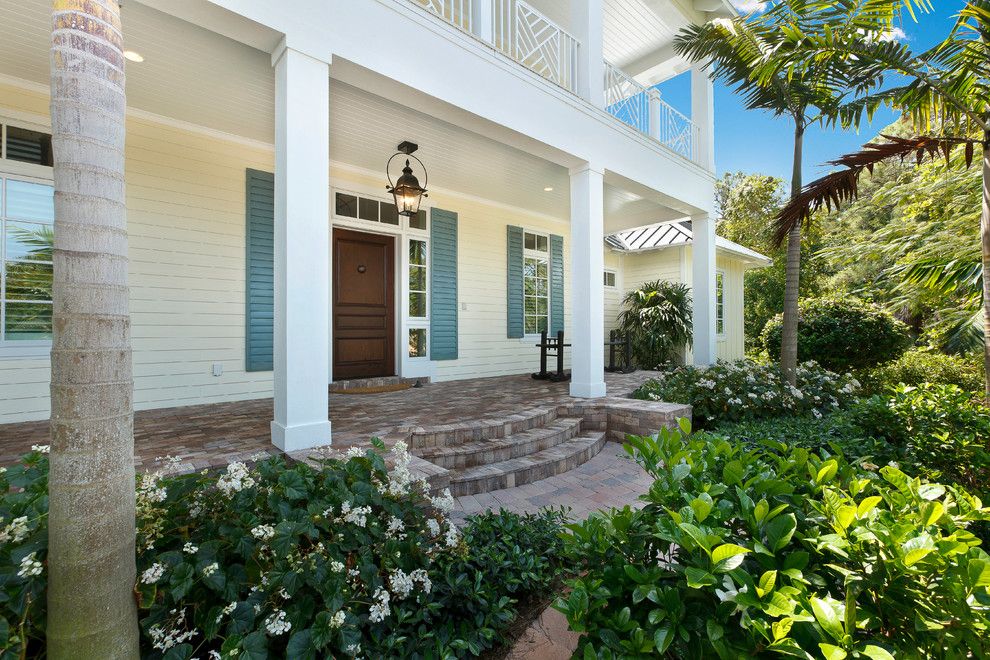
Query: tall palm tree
(947, 95)
(747, 53)
(91, 608)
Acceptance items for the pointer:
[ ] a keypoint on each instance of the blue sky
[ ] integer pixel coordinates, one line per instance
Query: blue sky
(757, 142)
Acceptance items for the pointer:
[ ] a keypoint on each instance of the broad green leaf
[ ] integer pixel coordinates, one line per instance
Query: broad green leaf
(702, 506)
(781, 628)
(827, 471)
(680, 471)
(662, 639)
(726, 551)
(979, 572)
(697, 578)
(732, 473)
(844, 516)
(931, 491)
(698, 536)
(780, 530)
(931, 513)
(867, 505)
(895, 477)
(714, 630)
(876, 652)
(827, 617)
(832, 652)
(917, 549)
(767, 582)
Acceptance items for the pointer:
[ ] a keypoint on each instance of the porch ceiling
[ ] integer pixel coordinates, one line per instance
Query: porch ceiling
(193, 75)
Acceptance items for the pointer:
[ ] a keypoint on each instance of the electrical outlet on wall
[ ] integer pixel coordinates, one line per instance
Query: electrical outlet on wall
(217, 369)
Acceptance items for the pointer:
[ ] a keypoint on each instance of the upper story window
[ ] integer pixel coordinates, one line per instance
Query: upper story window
(536, 284)
(719, 303)
(25, 146)
(610, 279)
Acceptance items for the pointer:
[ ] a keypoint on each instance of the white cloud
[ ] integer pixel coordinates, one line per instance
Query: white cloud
(894, 34)
(749, 6)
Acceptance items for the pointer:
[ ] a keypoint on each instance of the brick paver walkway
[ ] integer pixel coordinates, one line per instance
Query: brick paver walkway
(610, 479)
(215, 434)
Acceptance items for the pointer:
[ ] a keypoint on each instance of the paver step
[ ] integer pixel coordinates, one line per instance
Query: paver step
(496, 450)
(481, 429)
(527, 469)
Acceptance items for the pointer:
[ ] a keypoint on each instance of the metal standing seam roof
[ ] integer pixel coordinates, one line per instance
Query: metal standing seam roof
(671, 234)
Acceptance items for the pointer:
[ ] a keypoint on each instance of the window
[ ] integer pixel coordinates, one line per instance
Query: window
(27, 219)
(610, 278)
(719, 304)
(417, 279)
(536, 283)
(25, 146)
(417, 342)
(369, 209)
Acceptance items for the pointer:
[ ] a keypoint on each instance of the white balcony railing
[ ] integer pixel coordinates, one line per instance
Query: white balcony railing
(643, 109)
(529, 37)
(456, 12)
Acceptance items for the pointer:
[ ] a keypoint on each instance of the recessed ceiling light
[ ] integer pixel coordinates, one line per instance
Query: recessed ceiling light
(133, 56)
(548, 189)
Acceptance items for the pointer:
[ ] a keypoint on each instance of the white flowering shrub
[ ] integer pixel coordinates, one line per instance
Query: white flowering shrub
(23, 549)
(344, 558)
(746, 390)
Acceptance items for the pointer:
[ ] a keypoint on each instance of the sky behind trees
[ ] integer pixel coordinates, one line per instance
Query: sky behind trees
(754, 141)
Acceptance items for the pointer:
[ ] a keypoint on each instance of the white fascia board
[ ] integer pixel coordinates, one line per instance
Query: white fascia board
(466, 77)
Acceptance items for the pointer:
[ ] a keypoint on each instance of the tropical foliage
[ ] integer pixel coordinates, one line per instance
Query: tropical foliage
(657, 319)
(779, 551)
(843, 334)
(924, 365)
(344, 558)
(747, 390)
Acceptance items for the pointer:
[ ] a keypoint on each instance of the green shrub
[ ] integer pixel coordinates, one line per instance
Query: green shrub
(745, 390)
(756, 553)
(842, 334)
(943, 433)
(919, 366)
(657, 319)
(340, 559)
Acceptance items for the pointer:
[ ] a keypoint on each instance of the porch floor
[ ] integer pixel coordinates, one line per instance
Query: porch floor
(213, 435)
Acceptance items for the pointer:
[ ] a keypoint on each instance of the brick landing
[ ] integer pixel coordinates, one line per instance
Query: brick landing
(214, 434)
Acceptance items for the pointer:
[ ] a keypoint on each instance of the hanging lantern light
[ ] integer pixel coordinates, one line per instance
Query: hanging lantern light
(406, 190)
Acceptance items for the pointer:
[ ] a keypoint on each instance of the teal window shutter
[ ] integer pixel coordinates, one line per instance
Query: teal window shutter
(443, 285)
(556, 283)
(514, 284)
(260, 298)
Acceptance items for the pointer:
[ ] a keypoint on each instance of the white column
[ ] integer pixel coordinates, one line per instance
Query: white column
(587, 288)
(302, 252)
(587, 21)
(703, 116)
(653, 100)
(703, 288)
(483, 20)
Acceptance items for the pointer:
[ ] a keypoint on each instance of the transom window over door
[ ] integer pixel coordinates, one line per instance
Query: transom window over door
(27, 217)
(536, 282)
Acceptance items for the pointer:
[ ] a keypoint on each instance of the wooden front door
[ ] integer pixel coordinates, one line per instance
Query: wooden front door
(363, 305)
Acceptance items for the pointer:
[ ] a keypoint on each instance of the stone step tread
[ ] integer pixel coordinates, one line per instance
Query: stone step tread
(559, 425)
(513, 465)
(494, 426)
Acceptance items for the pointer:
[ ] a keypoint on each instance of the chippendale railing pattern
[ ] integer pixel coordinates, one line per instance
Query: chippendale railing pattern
(643, 109)
(529, 37)
(457, 12)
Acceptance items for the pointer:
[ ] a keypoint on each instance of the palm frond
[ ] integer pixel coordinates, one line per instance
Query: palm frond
(836, 188)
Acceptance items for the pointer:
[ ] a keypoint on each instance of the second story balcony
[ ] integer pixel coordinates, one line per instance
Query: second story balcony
(558, 40)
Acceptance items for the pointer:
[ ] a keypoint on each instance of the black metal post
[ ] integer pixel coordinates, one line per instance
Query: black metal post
(560, 354)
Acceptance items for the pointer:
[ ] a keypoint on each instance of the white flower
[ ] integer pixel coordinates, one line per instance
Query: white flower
(211, 569)
(30, 566)
(235, 479)
(358, 516)
(336, 566)
(353, 649)
(263, 532)
(148, 490)
(16, 531)
(153, 574)
(444, 503)
(395, 527)
(163, 639)
(379, 609)
(226, 611)
(451, 538)
(42, 449)
(817, 414)
(276, 624)
(190, 549)
(401, 583)
(337, 620)
(433, 526)
(421, 576)
(399, 477)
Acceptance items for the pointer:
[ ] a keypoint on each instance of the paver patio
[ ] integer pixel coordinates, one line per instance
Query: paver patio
(213, 435)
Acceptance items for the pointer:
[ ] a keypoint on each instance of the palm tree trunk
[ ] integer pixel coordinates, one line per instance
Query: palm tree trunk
(985, 244)
(792, 280)
(91, 609)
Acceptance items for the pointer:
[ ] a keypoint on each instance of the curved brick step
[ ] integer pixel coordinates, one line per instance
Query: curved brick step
(483, 452)
(489, 428)
(526, 469)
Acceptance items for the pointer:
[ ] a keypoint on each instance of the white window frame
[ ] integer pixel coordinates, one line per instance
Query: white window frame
(536, 254)
(720, 302)
(615, 278)
(32, 173)
(407, 367)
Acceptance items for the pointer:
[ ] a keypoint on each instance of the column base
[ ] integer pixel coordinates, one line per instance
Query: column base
(588, 390)
(301, 436)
